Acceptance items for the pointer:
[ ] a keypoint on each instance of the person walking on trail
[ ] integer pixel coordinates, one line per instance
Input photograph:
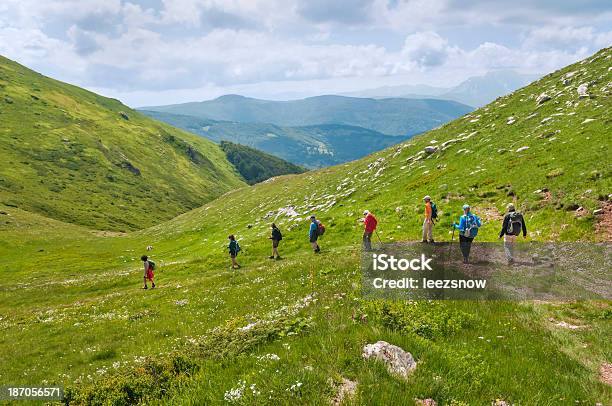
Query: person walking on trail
(275, 237)
(468, 227)
(370, 224)
(313, 234)
(513, 225)
(149, 267)
(431, 213)
(234, 249)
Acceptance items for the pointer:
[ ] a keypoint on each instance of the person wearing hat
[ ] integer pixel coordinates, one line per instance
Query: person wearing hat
(370, 224)
(313, 234)
(468, 227)
(428, 222)
(513, 225)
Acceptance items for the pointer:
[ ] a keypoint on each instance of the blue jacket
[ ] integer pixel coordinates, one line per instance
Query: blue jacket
(474, 219)
(314, 229)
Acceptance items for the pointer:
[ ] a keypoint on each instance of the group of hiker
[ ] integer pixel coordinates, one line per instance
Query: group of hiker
(469, 223)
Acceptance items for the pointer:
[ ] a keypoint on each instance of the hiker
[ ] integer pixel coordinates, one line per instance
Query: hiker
(149, 266)
(431, 213)
(468, 229)
(313, 234)
(234, 249)
(370, 224)
(275, 237)
(512, 226)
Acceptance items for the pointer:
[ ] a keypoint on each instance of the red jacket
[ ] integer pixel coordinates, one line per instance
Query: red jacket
(370, 223)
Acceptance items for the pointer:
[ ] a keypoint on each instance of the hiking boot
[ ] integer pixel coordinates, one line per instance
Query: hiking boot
(277, 258)
(271, 257)
(146, 287)
(153, 287)
(431, 241)
(424, 241)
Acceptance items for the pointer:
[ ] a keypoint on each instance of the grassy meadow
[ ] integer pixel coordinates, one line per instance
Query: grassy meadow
(288, 331)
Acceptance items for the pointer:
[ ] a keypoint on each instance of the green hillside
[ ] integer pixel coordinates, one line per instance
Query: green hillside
(389, 116)
(311, 146)
(256, 166)
(75, 156)
(291, 331)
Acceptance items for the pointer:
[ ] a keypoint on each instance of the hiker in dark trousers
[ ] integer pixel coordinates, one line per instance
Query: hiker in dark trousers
(428, 222)
(513, 225)
(149, 266)
(234, 249)
(313, 234)
(275, 237)
(468, 227)
(370, 224)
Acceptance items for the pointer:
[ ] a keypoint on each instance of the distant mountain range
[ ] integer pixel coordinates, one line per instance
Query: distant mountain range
(475, 91)
(394, 116)
(310, 146)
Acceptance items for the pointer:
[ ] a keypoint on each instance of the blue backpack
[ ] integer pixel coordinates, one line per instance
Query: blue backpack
(472, 223)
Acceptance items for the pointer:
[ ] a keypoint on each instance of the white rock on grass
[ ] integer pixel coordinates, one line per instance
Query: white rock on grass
(425, 402)
(522, 149)
(583, 90)
(542, 98)
(398, 361)
(511, 120)
(430, 149)
(345, 390)
(588, 120)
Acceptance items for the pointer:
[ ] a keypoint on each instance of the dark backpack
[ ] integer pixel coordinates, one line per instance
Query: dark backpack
(238, 249)
(434, 210)
(320, 228)
(277, 235)
(515, 223)
(151, 265)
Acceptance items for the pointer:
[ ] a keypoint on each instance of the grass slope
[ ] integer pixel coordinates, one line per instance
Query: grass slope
(207, 335)
(73, 155)
(256, 166)
(388, 116)
(311, 146)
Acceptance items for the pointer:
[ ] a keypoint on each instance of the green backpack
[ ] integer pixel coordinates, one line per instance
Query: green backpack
(151, 264)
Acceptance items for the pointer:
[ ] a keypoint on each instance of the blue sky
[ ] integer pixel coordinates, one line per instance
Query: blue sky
(148, 52)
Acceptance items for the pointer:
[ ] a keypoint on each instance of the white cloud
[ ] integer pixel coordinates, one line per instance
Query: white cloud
(427, 49)
(127, 48)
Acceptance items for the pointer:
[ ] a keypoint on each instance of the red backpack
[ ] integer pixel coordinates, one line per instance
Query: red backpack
(320, 228)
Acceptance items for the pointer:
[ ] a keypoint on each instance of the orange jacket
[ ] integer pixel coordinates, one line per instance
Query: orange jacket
(428, 210)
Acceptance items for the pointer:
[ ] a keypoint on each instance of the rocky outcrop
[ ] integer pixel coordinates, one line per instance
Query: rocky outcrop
(398, 361)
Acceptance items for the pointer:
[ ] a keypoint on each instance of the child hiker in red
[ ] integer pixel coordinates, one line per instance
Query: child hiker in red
(149, 266)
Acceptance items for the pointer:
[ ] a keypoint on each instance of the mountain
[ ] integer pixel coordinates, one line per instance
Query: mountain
(401, 91)
(388, 116)
(72, 155)
(256, 166)
(293, 331)
(480, 90)
(309, 146)
(475, 91)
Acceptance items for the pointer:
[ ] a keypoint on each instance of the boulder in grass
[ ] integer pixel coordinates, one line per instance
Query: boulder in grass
(430, 149)
(398, 361)
(542, 98)
(521, 149)
(124, 115)
(583, 90)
